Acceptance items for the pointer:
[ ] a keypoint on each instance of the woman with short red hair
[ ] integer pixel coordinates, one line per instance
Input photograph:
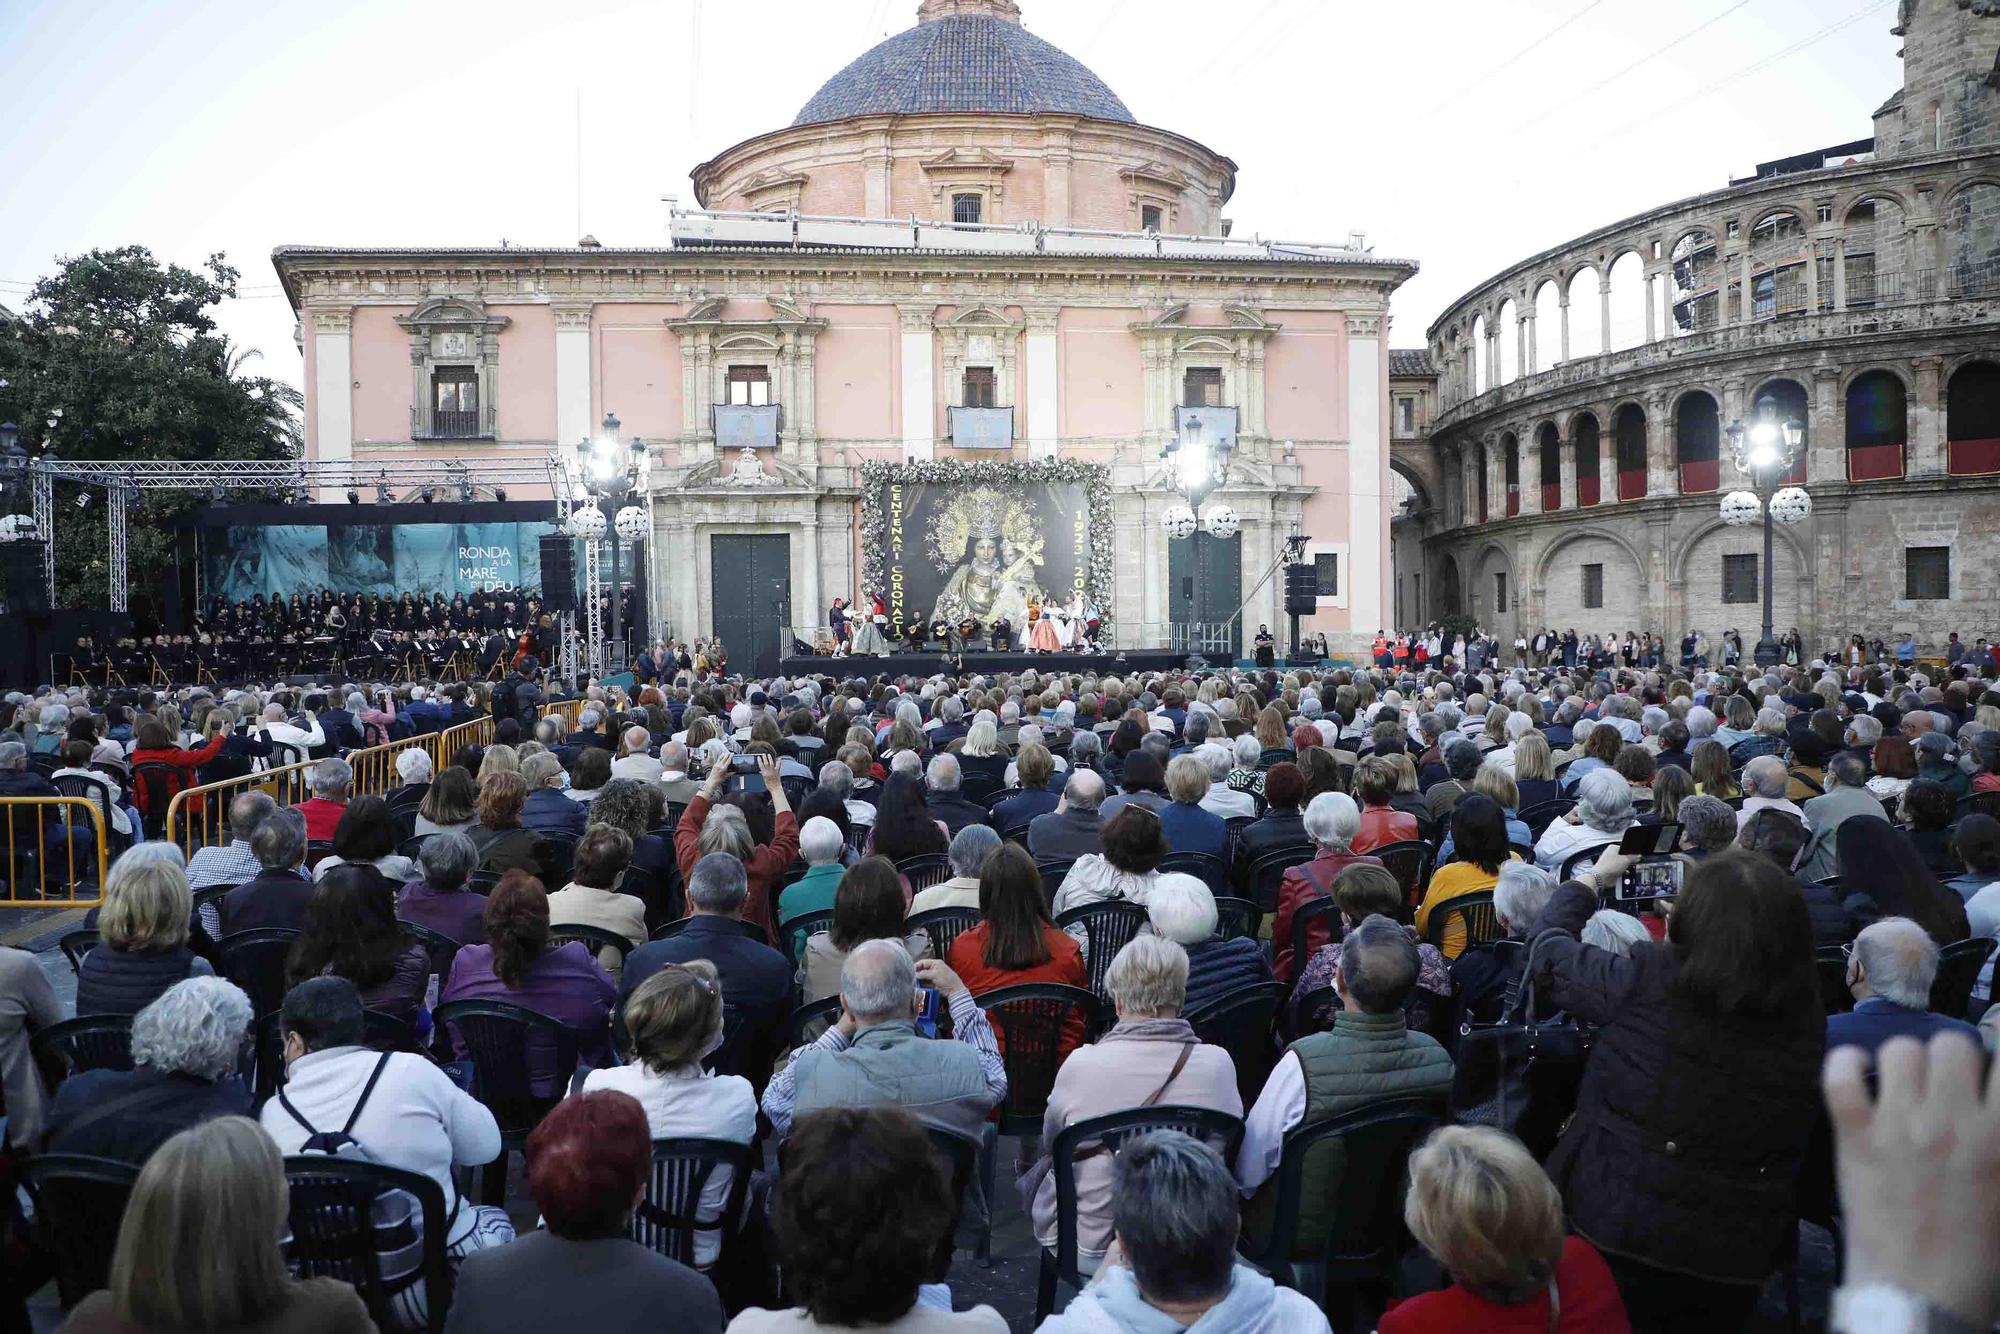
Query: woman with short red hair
(588, 1164)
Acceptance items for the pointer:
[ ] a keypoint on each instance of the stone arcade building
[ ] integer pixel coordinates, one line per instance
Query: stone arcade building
(1579, 448)
(963, 219)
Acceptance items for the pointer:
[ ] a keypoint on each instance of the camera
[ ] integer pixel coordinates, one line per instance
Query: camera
(1653, 879)
(744, 764)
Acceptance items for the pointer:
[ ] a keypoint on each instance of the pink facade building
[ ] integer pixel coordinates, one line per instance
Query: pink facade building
(963, 247)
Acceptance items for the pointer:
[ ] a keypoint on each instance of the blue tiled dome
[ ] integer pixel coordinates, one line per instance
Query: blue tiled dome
(963, 62)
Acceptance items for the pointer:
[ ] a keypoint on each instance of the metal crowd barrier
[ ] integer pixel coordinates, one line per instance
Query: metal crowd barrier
(198, 817)
(40, 839)
(569, 710)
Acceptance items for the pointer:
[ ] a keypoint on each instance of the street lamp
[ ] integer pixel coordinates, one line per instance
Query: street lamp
(1197, 465)
(1765, 451)
(616, 470)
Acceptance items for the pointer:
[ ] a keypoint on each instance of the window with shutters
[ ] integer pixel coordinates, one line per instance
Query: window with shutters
(1150, 218)
(967, 208)
(749, 386)
(979, 387)
(1927, 573)
(1739, 578)
(1201, 387)
(1499, 592)
(1593, 586)
(1326, 569)
(455, 402)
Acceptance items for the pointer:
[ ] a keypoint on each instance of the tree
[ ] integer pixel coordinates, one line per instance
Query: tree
(117, 357)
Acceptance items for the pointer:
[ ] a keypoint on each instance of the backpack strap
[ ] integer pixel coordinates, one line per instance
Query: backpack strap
(366, 1089)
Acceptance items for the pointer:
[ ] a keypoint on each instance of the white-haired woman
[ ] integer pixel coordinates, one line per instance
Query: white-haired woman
(1603, 813)
(1182, 908)
(1618, 932)
(1331, 820)
(185, 1049)
(1150, 1056)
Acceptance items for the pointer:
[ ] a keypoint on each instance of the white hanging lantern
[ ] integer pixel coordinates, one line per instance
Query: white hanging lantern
(1792, 504)
(1221, 522)
(631, 523)
(1740, 507)
(588, 523)
(1179, 522)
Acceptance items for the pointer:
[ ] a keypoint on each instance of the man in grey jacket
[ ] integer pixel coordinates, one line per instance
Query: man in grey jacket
(1847, 795)
(1074, 828)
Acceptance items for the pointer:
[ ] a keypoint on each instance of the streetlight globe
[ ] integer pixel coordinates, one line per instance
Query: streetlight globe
(1764, 435)
(1763, 452)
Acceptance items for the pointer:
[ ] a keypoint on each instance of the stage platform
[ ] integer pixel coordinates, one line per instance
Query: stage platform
(986, 664)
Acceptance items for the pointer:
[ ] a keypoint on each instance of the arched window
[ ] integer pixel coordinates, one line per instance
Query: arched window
(1972, 419)
(1697, 275)
(1788, 403)
(1779, 252)
(1628, 303)
(1510, 344)
(1585, 433)
(1586, 314)
(1877, 427)
(1548, 444)
(1510, 457)
(1547, 349)
(1630, 430)
(1974, 267)
(1482, 371)
(1697, 438)
(1875, 245)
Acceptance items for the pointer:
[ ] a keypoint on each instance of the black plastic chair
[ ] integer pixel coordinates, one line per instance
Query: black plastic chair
(1312, 1013)
(994, 799)
(79, 1204)
(662, 895)
(89, 1042)
(1052, 870)
(1978, 803)
(1545, 813)
(668, 1218)
(90, 788)
(925, 870)
(1581, 857)
(153, 787)
(255, 961)
(413, 846)
(794, 932)
(1237, 917)
(596, 937)
(1107, 926)
(1240, 1022)
(805, 1024)
(960, 1157)
(1482, 923)
(1203, 867)
(1830, 962)
(556, 855)
(1236, 824)
(316, 852)
(1060, 1265)
(741, 927)
(380, 1032)
(1410, 862)
(1266, 872)
(1323, 913)
(498, 1038)
(483, 880)
(75, 945)
(943, 926)
(442, 948)
(1957, 972)
(335, 1233)
(1365, 1210)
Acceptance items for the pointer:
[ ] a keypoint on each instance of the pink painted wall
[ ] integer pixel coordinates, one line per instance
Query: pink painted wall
(382, 367)
(1103, 384)
(527, 394)
(636, 369)
(1305, 376)
(856, 386)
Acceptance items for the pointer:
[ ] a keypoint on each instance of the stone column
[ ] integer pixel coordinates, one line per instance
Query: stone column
(919, 389)
(1527, 341)
(1562, 316)
(1531, 493)
(573, 406)
(1662, 477)
(1840, 273)
(333, 384)
(1926, 420)
(1607, 464)
(1604, 311)
(1044, 397)
(1567, 471)
(1652, 278)
(1367, 472)
(1744, 289)
(1826, 450)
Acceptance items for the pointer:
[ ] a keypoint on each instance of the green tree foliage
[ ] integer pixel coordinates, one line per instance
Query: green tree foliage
(116, 357)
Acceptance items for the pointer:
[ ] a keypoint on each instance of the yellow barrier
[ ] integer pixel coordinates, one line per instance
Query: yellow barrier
(198, 817)
(569, 710)
(375, 766)
(25, 852)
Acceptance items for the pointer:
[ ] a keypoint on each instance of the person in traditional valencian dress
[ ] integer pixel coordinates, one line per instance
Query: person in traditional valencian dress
(1041, 630)
(868, 639)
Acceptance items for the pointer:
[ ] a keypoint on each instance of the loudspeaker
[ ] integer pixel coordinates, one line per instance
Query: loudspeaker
(1301, 589)
(558, 573)
(26, 588)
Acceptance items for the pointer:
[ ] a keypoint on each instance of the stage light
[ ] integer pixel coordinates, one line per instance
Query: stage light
(430, 495)
(500, 493)
(215, 495)
(353, 496)
(83, 501)
(382, 495)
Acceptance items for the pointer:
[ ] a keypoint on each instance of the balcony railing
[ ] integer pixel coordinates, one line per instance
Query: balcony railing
(455, 425)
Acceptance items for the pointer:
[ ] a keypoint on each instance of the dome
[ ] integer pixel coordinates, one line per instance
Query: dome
(964, 55)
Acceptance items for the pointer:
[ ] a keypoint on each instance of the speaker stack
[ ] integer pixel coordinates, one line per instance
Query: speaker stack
(558, 573)
(1301, 589)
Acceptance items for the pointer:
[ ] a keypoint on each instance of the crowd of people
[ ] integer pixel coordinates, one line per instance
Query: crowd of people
(785, 914)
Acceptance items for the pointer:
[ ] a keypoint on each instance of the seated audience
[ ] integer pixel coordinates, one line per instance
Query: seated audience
(1375, 782)
(440, 900)
(1331, 820)
(450, 806)
(1614, 931)
(233, 863)
(1603, 813)
(1846, 797)
(351, 932)
(366, 836)
(1014, 942)
(1930, 819)
(199, 1249)
(1489, 1215)
(1034, 767)
(1482, 978)
(1149, 1056)
(1361, 891)
(1283, 823)
(1778, 838)
(867, 906)
(278, 894)
(547, 807)
(1133, 848)
(143, 928)
(1182, 909)
(968, 852)
(1882, 876)
(944, 800)
(707, 828)
(821, 847)
(501, 841)
(1714, 776)
(331, 780)
(1889, 972)
(592, 897)
(673, 1021)
(1479, 837)
(185, 1049)
(1075, 828)
(1185, 825)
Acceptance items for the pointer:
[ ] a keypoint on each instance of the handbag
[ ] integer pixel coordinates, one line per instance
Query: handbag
(1029, 1183)
(1519, 1073)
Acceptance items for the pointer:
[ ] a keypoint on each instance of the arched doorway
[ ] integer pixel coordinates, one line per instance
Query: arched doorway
(1697, 443)
(1630, 429)
(1548, 445)
(1877, 427)
(1972, 419)
(1450, 595)
(1788, 403)
(1584, 432)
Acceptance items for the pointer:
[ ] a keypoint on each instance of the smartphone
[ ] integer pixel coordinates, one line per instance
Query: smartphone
(1652, 880)
(1650, 840)
(743, 764)
(927, 1020)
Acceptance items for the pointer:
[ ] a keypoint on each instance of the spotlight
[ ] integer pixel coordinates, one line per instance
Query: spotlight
(353, 496)
(382, 496)
(464, 491)
(215, 495)
(500, 493)
(83, 501)
(430, 495)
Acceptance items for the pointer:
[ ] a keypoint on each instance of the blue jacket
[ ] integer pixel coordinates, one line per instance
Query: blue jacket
(1192, 829)
(756, 980)
(1874, 1021)
(549, 808)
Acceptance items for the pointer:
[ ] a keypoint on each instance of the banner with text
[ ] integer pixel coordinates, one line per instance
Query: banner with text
(959, 550)
(380, 558)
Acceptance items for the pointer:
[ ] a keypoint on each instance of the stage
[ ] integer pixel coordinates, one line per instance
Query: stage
(985, 664)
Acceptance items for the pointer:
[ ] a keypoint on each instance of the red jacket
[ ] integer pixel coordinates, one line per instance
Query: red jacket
(183, 760)
(1590, 1304)
(1383, 824)
(967, 958)
(766, 866)
(1301, 885)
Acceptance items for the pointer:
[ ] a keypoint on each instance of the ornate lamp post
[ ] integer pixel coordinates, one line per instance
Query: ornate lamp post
(1765, 451)
(606, 468)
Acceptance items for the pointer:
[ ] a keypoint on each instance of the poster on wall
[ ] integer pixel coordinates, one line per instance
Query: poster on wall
(241, 561)
(955, 541)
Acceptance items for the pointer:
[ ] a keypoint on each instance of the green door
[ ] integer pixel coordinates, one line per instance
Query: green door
(1205, 576)
(750, 577)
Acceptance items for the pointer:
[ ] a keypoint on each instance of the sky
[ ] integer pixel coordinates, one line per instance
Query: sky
(1463, 134)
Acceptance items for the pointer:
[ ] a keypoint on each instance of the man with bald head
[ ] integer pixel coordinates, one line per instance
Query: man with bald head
(1075, 827)
(1890, 971)
(873, 1054)
(637, 762)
